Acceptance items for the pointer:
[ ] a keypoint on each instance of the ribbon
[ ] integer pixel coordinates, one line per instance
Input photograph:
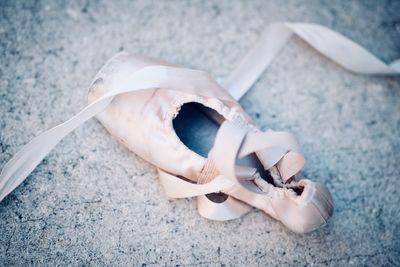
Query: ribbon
(331, 44)
(335, 46)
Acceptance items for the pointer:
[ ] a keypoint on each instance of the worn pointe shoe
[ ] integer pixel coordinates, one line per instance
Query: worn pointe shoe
(198, 136)
(205, 145)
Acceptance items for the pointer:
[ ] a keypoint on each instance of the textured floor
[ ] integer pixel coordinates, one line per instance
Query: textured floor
(92, 202)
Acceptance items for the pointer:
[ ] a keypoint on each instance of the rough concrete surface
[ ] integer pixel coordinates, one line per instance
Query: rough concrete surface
(92, 202)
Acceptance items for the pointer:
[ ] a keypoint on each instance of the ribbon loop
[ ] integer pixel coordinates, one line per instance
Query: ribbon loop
(229, 209)
(233, 141)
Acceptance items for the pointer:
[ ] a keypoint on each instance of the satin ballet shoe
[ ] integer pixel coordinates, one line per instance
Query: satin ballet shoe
(204, 144)
(198, 136)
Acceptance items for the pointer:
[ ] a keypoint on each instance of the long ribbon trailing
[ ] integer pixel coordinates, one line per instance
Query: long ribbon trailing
(331, 44)
(31, 154)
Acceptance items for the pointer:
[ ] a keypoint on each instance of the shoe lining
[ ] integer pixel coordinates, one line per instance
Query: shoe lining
(197, 125)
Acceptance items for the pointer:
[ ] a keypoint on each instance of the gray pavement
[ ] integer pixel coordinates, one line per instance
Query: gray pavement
(92, 202)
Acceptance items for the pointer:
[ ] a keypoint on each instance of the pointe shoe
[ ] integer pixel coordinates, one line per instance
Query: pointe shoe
(205, 145)
(198, 136)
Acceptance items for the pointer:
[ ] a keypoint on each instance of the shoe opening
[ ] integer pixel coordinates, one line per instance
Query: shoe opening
(196, 126)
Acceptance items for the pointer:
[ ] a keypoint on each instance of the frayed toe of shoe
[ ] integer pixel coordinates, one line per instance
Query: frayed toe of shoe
(308, 211)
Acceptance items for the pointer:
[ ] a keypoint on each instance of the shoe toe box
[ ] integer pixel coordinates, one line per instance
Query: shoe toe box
(307, 212)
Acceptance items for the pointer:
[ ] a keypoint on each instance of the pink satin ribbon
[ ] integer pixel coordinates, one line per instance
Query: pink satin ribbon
(331, 44)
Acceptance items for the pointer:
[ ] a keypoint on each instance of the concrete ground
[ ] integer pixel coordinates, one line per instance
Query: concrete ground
(92, 202)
